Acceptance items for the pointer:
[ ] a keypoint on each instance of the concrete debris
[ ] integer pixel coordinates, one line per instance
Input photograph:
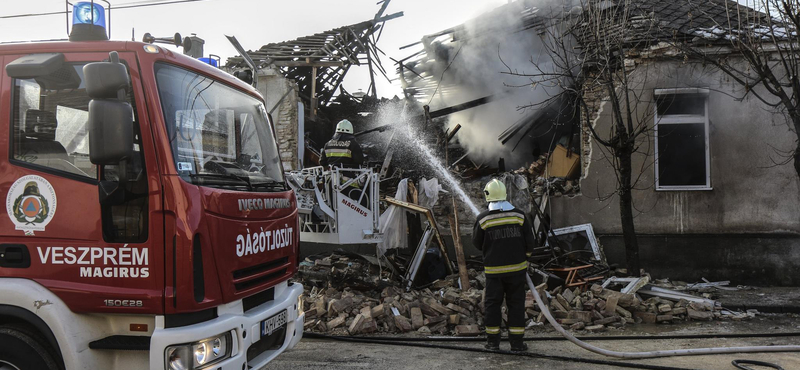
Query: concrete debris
(467, 330)
(391, 310)
(377, 304)
(541, 182)
(601, 308)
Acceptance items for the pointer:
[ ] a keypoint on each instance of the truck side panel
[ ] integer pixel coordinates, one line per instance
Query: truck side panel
(74, 331)
(55, 216)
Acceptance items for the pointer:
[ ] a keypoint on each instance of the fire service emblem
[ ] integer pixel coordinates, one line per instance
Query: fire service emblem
(31, 203)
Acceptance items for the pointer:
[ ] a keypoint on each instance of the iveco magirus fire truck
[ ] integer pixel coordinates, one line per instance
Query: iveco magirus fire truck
(148, 223)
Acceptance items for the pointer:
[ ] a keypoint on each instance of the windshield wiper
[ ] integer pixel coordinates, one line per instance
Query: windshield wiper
(229, 175)
(228, 170)
(245, 179)
(271, 184)
(251, 185)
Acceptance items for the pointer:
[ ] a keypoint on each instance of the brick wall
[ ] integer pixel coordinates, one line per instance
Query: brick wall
(285, 117)
(273, 86)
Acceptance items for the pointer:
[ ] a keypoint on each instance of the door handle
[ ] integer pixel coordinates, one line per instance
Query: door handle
(14, 256)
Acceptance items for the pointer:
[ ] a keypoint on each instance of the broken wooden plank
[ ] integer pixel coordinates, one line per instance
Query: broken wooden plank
(453, 132)
(463, 273)
(432, 221)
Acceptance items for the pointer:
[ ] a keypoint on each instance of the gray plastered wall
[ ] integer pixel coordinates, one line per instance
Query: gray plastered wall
(752, 197)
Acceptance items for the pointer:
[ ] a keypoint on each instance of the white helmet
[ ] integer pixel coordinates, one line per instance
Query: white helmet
(344, 126)
(495, 191)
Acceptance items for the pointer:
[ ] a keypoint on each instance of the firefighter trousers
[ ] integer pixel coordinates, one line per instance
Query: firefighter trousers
(512, 288)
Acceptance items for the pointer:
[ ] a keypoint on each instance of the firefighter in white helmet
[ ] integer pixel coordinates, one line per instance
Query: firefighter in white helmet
(343, 149)
(505, 236)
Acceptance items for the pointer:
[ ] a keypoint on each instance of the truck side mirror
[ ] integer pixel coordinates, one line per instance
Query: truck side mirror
(110, 132)
(110, 116)
(110, 123)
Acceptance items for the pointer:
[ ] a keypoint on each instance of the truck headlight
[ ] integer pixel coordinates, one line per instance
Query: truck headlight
(200, 354)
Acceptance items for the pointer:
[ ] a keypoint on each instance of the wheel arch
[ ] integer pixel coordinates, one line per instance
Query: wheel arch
(16, 315)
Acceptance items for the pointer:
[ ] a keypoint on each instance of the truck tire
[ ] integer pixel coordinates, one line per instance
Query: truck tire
(22, 350)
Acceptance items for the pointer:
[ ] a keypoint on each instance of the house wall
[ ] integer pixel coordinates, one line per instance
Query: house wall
(745, 229)
(273, 86)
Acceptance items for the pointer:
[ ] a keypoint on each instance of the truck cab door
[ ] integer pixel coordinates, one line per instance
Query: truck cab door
(96, 257)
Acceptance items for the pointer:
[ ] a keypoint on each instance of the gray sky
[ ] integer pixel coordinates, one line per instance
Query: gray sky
(257, 22)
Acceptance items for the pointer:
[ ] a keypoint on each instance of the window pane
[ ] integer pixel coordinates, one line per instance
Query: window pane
(681, 104)
(682, 155)
(51, 116)
(219, 135)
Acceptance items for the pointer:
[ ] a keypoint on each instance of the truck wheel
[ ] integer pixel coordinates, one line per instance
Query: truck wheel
(23, 351)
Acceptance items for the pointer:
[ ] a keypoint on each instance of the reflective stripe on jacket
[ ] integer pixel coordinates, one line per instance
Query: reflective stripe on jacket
(505, 237)
(341, 151)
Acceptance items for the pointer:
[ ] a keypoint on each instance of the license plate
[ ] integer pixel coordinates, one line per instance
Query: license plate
(273, 324)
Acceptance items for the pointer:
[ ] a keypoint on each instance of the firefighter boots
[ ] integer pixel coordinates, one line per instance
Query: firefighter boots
(517, 345)
(492, 342)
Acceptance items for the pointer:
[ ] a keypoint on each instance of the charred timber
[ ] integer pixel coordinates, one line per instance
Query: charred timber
(436, 114)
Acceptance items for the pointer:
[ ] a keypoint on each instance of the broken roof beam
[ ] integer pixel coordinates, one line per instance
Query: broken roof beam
(432, 36)
(460, 107)
(438, 113)
(379, 14)
(330, 53)
(387, 18)
(452, 133)
(297, 63)
(458, 160)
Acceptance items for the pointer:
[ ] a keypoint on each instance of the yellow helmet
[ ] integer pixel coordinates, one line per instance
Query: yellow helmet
(344, 126)
(495, 191)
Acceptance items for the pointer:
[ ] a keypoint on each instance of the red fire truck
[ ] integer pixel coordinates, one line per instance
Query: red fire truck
(148, 221)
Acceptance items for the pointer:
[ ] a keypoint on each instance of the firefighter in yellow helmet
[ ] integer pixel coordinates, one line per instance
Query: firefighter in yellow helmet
(505, 236)
(343, 149)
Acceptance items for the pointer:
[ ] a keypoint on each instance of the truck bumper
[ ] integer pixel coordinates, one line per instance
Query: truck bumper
(249, 349)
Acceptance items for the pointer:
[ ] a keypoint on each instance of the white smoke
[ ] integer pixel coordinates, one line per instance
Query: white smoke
(474, 63)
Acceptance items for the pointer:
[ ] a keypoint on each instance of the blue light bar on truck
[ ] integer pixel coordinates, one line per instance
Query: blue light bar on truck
(212, 62)
(88, 22)
(88, 13)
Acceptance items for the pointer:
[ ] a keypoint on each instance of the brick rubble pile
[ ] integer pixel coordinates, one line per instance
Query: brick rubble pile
(598, 309)
(350, 296)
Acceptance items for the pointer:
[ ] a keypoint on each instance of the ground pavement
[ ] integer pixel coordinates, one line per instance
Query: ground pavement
(315, 354)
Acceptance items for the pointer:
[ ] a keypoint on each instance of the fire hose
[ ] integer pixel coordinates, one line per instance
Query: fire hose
(651, 354)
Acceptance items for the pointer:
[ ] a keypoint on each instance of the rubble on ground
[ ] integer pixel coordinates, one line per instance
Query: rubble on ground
(441, 309)
(598, 308)
(349, 295)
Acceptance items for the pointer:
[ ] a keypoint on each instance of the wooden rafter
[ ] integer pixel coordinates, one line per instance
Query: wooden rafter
(331, 53)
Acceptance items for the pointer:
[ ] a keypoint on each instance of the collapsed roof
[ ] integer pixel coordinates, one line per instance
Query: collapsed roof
(650, 21)
(319, 63)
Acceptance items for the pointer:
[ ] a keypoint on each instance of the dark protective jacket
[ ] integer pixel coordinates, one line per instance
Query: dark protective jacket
(341, 151)
(506, 238)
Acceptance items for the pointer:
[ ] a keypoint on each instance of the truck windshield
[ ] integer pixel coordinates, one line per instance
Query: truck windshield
(220, 137)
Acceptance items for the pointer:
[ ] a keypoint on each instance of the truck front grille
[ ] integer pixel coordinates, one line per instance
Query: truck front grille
(249, 277)
(258, 299)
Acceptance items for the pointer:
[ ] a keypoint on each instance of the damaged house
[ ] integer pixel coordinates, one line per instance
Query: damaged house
(709, 199)
(477, 106)
(301, 82)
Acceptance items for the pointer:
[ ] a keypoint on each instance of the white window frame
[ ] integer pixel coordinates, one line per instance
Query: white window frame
(682, 119)
(598, 254)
